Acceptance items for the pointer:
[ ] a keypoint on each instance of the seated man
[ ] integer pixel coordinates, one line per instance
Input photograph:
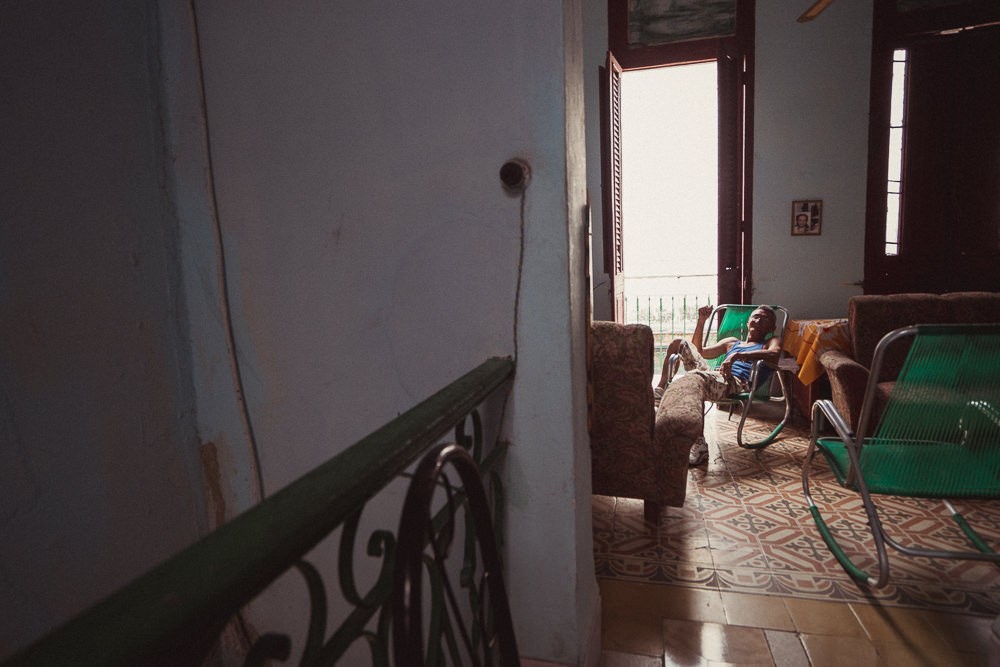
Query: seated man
(733, 374)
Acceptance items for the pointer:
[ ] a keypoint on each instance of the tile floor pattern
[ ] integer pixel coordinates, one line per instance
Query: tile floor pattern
(741, 569)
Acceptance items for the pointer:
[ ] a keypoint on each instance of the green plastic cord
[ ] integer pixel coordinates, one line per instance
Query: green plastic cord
(852, 569)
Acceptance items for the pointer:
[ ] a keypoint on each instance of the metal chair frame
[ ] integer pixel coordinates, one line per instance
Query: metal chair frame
(745, 400)
(825, 414)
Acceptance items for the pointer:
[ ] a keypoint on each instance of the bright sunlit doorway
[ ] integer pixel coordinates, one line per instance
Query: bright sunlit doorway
(670, 196)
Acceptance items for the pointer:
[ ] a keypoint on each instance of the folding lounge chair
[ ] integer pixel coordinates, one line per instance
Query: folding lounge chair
(938, 437)
(732, 321)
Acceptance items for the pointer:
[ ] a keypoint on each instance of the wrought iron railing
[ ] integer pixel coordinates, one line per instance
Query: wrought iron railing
(175, 613)
(669, 316)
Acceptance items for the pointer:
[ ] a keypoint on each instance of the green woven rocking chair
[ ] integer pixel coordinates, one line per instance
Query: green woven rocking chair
(938, 436)
(732, 321)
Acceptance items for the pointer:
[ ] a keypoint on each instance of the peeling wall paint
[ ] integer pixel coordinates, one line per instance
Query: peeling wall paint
(216, 499)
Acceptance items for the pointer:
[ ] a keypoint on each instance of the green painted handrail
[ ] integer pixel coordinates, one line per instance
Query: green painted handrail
(171, 612)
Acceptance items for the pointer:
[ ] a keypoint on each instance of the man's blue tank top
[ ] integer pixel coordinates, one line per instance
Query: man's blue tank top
(741, 369)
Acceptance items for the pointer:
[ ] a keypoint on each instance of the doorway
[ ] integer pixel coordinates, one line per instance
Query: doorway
(670, 200)
(721, 51)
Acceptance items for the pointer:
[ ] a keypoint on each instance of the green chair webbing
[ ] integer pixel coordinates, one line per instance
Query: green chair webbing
(919, 469)
(734, 323)
(939, 435)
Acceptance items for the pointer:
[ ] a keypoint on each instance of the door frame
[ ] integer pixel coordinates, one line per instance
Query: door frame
(734, 55)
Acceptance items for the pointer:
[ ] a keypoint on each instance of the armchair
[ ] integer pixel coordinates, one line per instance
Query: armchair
(872, 316)
(637, 452)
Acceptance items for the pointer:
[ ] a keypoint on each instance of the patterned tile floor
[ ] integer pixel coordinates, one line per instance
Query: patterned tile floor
(745, 528)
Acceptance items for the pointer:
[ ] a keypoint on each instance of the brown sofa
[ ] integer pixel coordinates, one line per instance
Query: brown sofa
(872, 316)
(637, 452)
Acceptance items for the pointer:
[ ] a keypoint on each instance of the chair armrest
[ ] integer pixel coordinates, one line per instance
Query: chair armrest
(848, 380)
(680, 420)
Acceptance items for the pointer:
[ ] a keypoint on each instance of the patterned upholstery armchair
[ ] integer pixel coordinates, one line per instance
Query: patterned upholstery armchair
(872, 316)
(637, 452)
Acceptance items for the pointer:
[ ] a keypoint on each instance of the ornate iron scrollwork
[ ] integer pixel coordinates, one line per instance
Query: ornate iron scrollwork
(173, 613)
(489, 638)
(406, 565)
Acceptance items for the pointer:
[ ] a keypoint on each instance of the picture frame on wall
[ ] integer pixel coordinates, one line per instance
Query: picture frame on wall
(655, 22)
(807, 217)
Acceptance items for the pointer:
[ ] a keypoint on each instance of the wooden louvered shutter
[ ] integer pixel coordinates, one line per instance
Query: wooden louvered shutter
(611, 181)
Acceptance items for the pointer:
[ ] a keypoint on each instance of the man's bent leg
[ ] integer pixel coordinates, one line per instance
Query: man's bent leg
(688, 355)
(715, 387)
(665, 371)
(691, 357)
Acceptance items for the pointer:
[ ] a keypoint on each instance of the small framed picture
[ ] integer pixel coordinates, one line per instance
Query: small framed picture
(807, 217)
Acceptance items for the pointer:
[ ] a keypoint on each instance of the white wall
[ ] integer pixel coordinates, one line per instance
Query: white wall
(374, 256)
(810, 142)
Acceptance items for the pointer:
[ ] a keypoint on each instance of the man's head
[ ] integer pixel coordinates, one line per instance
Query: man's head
(761, 323)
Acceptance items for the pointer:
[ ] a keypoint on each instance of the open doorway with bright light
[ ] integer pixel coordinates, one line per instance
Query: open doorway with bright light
(670, 197)
(676, 132)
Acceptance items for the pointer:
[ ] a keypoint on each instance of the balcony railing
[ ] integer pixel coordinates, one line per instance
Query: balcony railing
(669, 316)
(175, 613)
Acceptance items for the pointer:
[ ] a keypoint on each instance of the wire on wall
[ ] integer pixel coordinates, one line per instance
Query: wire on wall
(514, 175)
(520, 272)
(227, 317)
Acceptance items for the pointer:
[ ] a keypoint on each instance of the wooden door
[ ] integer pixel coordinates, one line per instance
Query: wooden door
(949, 221)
